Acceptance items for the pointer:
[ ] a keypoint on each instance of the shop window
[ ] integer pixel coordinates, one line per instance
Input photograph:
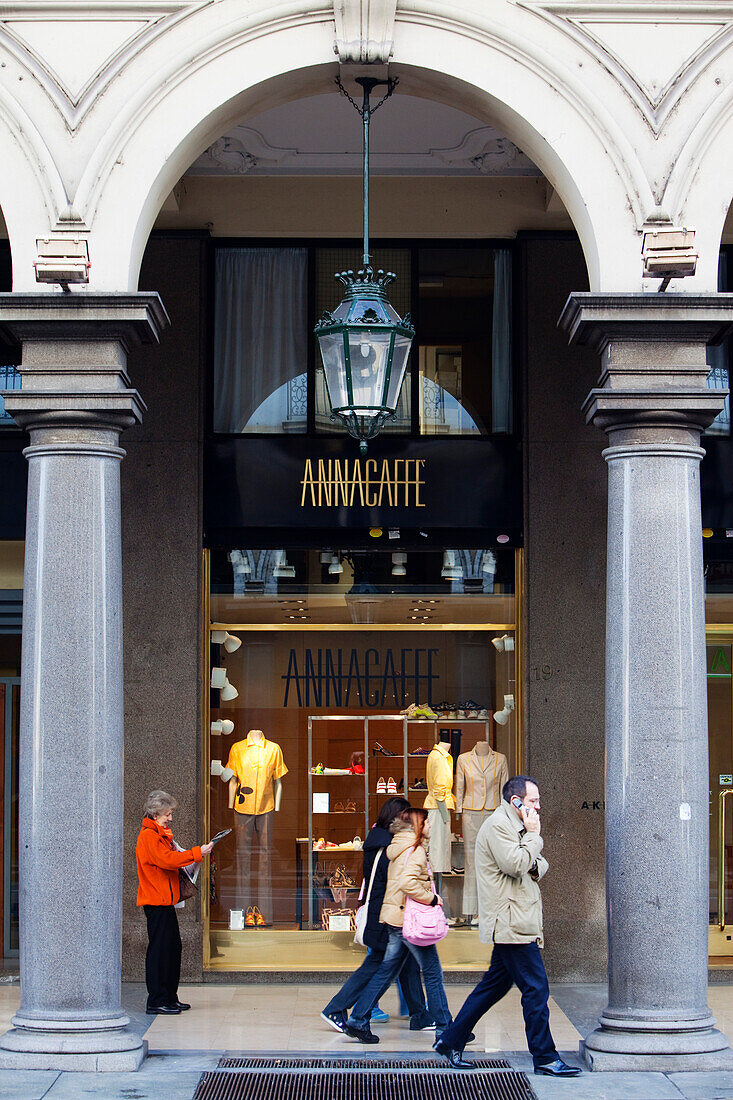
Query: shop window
(9, 380)
(718, 357)
(260, 342)
(327, 654)
(465, 347)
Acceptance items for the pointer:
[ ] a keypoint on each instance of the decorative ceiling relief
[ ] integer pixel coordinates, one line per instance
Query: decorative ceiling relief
(660, 56)
(417, 137)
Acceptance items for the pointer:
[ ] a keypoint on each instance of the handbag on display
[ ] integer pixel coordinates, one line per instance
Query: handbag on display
(362, 913)
(423, 924)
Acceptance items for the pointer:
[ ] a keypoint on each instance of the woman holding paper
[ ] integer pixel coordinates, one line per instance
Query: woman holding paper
(158, 864)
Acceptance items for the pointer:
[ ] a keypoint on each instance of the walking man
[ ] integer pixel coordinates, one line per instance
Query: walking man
(509, 865)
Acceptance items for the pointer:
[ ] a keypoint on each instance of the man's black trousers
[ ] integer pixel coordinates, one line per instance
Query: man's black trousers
(163, 958)
(511, 963)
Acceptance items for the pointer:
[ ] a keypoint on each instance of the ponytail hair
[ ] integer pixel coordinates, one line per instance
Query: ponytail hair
(415, 819)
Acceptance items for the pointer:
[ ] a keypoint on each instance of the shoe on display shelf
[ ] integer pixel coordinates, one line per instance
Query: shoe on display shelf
(378, 748)
(419, 785)
(381, 785)
(391, 786)
(350, 807)
(318, 770)
(249, 920)
(483, 713)
(358, 844)
(420, 752)
(339, 808)
(424, 711)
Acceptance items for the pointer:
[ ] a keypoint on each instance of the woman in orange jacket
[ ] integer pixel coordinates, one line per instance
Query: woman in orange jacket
(158, 864)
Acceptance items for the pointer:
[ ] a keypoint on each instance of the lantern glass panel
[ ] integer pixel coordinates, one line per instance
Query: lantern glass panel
(333, 355)
(369, 352)
(399, 363)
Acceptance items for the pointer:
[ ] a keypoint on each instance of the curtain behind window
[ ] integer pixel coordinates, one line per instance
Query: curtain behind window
(260, 343)
(501, 344)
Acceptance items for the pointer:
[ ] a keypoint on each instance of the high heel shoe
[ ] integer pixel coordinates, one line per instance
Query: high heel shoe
(377, 748)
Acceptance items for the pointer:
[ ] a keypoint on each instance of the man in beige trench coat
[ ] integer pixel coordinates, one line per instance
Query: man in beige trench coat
(509, 866)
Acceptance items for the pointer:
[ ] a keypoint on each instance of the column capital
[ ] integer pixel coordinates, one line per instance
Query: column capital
(654, 369)
(75, 348)
(132, 319)
(595, 320)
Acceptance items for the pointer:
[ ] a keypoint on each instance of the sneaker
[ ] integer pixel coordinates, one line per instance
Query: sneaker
(418, 785)
(363, 1035)
(483, 713)
(424, 711)
(336, 1020)
(420, 752)
(422, 1023)
(391, 786)
(378, 1016)
(409, 712)
(381, 785)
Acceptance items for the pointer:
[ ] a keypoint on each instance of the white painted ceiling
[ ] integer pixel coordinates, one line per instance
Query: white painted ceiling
(322, 135)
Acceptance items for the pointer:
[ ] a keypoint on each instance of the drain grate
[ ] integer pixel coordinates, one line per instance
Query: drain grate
(277, 1084)
(321, 1061)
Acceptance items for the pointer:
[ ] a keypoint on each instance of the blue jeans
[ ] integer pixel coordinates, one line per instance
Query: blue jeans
(397, 951)
(409, 983)
(510, 962)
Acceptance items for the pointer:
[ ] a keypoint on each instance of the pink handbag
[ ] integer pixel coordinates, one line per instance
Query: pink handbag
(423, 924)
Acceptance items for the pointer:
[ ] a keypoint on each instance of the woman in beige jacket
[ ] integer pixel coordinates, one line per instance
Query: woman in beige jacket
(407, 877)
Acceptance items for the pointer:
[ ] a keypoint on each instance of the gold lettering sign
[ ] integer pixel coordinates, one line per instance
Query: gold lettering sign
(368, 483)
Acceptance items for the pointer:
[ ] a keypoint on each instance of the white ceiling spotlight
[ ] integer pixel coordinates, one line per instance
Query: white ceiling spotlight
(335, 566)
(452, 569)
(282, 568)
(222, 725)
(325, 557)
(228, 692)
(502, 716)
(503, 644)
(399, 560)
(230, 642)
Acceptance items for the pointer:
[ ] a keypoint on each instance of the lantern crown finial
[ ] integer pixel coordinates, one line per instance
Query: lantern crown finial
(365, 280)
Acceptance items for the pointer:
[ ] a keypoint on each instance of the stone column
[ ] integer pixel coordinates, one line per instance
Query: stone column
(653, 402)
(75, 400)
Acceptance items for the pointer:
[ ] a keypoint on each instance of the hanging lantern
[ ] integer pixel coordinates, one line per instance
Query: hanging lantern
(364, 343)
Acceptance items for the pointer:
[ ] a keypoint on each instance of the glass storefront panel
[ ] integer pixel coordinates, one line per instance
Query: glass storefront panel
(307, 740)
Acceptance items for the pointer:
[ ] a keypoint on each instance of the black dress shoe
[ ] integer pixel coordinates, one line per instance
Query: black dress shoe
(164, 1010)
(454, 1057)
(183, 1007)
(364, 1035)
(558, 1068)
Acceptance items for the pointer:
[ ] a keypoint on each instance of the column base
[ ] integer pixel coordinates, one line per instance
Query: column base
(666, 1048)
(104, 1051)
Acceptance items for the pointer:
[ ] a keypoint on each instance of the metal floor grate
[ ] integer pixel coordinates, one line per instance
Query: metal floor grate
(277, 1084)
(375, 1062)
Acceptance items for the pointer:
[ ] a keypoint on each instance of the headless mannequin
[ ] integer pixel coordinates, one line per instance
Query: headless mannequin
(437, 827)
(255, 792)
(258, 737)
(482, 801)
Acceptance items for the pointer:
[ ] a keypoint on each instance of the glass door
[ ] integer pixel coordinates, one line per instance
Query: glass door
(720, 734)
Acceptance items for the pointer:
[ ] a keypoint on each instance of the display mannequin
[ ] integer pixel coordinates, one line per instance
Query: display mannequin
(480, 776)
(439, 802)
(255, 793)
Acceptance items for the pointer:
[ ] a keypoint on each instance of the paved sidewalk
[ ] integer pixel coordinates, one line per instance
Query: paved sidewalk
(273, 1019)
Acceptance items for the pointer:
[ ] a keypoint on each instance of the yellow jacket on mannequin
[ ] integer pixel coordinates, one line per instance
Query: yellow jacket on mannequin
(439, 778)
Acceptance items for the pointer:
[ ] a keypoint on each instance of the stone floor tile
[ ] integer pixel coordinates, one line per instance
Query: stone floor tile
(704, 1086)
(596, 1086)
(159, 1085)
(26, 1084)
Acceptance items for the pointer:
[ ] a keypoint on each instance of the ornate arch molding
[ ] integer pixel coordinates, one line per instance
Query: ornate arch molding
(594, 25)
(134, 25)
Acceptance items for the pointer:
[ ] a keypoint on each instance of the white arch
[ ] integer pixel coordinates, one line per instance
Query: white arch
(504, 69)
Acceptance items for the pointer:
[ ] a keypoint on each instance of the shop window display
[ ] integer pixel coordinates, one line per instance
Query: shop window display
(317, 718)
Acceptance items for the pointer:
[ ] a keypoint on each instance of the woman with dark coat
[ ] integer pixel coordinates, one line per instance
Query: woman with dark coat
(376, 935)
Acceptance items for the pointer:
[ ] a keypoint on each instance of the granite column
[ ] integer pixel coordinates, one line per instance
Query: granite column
(653, 402)
(75, 400)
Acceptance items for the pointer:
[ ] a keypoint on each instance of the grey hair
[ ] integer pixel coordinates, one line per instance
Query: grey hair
(157, 803)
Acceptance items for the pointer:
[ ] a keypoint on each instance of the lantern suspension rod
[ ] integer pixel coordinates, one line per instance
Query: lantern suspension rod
(368, 84)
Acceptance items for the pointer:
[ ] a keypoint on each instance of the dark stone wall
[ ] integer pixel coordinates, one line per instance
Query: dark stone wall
(565, 524)
(565, 535)
(162, 551)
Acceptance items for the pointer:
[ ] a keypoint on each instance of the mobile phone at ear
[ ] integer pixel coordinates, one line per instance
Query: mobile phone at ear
(517, 803)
